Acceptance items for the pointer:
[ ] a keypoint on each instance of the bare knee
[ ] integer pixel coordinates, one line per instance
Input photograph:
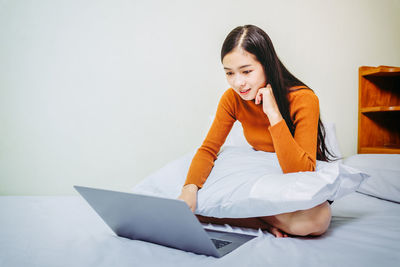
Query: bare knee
(315, 224)
(320, 225)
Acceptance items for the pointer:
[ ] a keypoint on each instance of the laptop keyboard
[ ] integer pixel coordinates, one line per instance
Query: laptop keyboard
(220, 243)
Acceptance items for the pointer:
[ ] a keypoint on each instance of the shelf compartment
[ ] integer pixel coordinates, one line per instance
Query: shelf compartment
(379, 91)
(379, 129)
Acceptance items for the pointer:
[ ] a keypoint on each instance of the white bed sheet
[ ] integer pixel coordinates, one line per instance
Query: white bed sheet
(65, 231)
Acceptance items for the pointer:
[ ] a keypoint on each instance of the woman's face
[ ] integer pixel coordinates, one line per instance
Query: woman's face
(244, 73)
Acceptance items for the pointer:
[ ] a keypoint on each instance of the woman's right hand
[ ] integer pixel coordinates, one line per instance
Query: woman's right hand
(189, 195)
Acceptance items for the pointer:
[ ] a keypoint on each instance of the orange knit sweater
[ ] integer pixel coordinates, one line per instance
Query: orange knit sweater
(294, 154)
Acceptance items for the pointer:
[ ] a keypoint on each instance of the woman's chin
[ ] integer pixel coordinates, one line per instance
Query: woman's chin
(247, 97)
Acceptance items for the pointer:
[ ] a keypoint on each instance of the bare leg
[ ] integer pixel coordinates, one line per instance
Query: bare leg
(255, 223)
(314, 221)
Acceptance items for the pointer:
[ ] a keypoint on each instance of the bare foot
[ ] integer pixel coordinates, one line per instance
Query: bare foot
(276, 232)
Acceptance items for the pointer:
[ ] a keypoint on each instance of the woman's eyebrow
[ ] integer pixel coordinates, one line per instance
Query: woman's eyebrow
(241, 67)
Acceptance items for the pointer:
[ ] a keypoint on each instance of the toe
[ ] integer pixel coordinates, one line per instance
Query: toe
(275, 231)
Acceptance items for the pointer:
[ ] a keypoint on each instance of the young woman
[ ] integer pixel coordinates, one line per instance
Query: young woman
(279, 113)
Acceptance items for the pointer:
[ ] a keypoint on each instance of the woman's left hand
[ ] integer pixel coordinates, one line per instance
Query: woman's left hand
(266, 96)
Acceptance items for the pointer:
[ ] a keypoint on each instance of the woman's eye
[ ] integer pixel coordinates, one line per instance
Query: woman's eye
(247, 71)
(229, 73)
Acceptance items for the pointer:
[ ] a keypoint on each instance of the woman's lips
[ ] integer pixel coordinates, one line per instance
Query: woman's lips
(244, 92)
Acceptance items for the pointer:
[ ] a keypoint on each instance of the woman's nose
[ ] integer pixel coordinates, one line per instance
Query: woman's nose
(239, 81)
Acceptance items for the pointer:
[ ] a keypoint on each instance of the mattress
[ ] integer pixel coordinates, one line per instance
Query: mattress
(65, 231)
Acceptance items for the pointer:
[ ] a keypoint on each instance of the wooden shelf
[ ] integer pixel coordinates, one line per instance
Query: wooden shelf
(380, 109)
(380, 71)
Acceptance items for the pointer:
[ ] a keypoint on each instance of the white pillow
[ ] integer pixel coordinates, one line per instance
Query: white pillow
(236, 137)
(330, 139)
(249, 183)
(384, 170)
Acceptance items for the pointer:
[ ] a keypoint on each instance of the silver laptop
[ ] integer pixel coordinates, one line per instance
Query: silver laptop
(167, 222)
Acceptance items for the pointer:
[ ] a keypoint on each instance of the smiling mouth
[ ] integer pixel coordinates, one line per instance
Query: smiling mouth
(244, 91)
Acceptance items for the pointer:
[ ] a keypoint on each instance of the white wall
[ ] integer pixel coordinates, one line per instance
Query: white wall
(102, 93)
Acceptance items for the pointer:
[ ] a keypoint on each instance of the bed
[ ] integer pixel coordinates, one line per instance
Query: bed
(65, 231)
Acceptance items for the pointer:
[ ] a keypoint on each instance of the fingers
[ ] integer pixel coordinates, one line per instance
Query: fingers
(256, 101)
(261, 92)
(259, 96)
(189, 199)
(191, 206)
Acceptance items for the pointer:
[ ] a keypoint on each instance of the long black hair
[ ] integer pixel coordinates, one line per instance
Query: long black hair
(255, 41)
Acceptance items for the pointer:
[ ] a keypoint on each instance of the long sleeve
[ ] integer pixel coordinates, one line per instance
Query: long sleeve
(203, 161)
(295, 153)
(298, 153)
